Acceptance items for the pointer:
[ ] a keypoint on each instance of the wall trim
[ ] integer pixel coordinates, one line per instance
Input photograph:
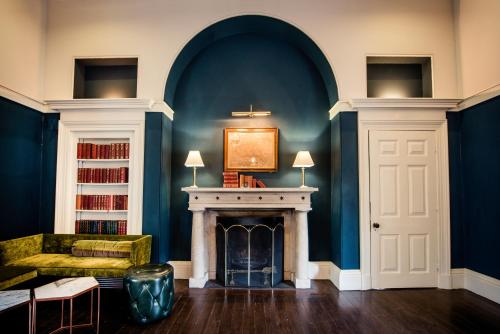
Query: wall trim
(347, 279)
(126, 104)
(25, 100)
(458, 278)
(340, 106)
(482, 285)
(320, 270)
(480, 97)
(405, 114)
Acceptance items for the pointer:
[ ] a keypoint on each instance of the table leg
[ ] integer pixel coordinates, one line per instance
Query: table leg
(71, 316)
(30, 325)
(62, 313)
(33, 322)
(91, 306)
(98, 306)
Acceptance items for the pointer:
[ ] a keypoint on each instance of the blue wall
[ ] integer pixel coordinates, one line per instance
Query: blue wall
(456, 190)
(156, 200)
(479, 156)
(345, 190)
(271, 74)
(28, 143)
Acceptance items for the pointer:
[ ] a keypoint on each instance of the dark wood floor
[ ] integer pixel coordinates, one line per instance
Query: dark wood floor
(322, 309)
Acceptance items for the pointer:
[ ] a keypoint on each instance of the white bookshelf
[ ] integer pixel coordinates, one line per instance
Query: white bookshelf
(99, 122)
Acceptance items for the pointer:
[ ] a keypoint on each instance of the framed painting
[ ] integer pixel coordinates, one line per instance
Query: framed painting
(251, 149)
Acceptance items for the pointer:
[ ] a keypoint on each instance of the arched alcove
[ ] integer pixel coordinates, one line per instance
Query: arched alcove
(274, 66)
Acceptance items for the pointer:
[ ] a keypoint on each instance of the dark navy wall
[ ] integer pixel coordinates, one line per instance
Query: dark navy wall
(271, 74)
(156, 196)
(345, 191)
(50, 126)
(480, 153)
(456, 189)
(26, 203)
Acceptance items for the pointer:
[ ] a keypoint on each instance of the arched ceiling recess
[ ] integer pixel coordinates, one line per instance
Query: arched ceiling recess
(245, 24)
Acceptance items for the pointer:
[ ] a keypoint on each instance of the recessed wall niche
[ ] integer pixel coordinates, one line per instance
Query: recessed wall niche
(105, 78)
(399, 77)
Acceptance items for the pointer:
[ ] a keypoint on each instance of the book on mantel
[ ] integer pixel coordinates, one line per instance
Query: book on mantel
(236, 180)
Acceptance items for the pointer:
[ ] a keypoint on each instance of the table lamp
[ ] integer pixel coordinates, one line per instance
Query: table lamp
(194, 160)
(303, 160)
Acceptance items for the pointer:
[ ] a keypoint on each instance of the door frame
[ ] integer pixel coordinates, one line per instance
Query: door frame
(402, 120)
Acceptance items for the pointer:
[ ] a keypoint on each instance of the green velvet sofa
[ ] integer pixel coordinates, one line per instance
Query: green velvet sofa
(51, 255)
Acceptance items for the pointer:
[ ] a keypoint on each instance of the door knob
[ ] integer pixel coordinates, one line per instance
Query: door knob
(376, 225)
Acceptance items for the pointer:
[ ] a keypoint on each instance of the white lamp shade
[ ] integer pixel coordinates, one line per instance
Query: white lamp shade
(194, 159)
(303, 159)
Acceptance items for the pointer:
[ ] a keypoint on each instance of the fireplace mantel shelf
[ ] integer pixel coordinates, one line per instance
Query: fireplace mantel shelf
(202, 201)
(249, 190)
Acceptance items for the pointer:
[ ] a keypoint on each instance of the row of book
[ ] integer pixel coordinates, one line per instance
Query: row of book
(236, 180)
(101, 202)
(101, 227)
(103, 151)
(103, 175)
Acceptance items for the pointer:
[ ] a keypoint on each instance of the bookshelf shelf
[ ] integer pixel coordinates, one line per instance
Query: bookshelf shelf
(103, 211)
(103, 160)
(102, 184)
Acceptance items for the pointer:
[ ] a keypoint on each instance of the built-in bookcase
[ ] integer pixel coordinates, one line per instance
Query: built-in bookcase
(100, 162)
(102, 192)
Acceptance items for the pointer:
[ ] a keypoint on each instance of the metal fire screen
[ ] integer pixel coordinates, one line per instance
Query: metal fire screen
(250, 251)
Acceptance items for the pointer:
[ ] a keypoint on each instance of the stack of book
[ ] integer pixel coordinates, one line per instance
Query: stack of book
(231, 180)
(103, 175)
(248, 181)
(235, 180)
(101, 202)
(103, 151)
(101, 227)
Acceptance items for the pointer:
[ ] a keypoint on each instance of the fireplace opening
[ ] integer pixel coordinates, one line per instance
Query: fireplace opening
(249, 251)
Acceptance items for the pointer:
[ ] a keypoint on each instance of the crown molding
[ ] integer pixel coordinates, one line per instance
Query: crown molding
(340, 106)
(478, 98)
(127, 104)
(20, 98)
(381, 104)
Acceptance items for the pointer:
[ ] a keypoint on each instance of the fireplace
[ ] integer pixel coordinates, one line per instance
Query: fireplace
(249, 251)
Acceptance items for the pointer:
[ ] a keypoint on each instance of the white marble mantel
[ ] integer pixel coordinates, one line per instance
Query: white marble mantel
(204, 201)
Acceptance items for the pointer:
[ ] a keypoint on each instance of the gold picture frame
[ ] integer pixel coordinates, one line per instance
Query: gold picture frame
(251, 149)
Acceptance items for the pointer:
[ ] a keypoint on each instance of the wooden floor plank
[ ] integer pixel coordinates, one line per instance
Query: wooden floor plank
(321, 309)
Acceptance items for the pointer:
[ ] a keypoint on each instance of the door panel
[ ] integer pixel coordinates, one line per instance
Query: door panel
(403, 201)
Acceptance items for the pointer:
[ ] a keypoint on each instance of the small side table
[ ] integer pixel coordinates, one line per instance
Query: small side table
(68, 289)
(15, 298)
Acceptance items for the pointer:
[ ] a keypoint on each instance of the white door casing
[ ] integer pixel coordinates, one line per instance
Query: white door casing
(405, 114)
(403, 203)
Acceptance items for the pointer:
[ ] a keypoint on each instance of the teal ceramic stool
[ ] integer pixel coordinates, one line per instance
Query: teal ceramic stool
(151, 291)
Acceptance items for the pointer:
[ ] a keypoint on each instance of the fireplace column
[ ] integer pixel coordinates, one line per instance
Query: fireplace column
(198, 251)
(301, 278)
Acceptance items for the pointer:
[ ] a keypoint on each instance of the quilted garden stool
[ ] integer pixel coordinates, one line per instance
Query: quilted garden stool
(151, 291)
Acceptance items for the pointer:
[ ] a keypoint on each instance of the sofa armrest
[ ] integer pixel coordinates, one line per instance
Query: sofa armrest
(141, 250)
(16, 249)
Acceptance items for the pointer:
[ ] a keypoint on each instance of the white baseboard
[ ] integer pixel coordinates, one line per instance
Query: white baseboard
(345, 279)
(320, 269)
(317, 269)
(458, 278)
(483, 285)
(478, 283)
(182, 269)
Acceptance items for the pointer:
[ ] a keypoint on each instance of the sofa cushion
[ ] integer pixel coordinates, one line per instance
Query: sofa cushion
(69, 265)
(101, 248)
(14, 249)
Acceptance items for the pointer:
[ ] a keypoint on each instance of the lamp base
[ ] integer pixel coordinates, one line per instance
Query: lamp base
(304, 186)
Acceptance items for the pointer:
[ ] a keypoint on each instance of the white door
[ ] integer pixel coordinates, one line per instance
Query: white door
(403, 209)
